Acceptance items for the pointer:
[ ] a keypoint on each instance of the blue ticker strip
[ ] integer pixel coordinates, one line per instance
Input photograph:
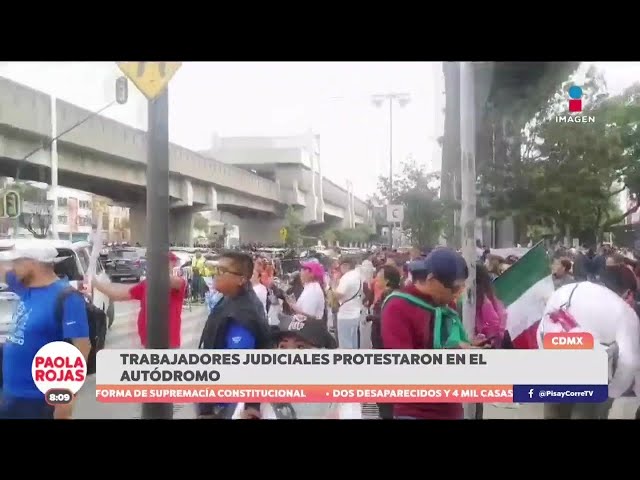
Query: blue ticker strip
(560, 393)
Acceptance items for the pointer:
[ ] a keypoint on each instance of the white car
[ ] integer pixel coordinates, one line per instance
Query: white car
(74, 268)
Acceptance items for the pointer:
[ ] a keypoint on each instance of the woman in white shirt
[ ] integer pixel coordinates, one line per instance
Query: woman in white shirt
(311, 302)
(260, 289)
(348, 294)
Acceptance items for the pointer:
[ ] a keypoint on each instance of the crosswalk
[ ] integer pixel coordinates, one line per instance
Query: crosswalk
(124, 334)
(124, 331)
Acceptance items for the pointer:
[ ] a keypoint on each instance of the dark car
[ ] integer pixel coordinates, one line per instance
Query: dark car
(124, 264)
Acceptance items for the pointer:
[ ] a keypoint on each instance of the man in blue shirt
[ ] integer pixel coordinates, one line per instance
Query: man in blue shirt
(238, 321)
(28, 271)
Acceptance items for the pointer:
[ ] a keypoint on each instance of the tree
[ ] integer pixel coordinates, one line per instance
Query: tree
(359, 234)
(200, 223)
(418, 191)
(294, 226)
(568, 177)
(36, 209)
(329, 237)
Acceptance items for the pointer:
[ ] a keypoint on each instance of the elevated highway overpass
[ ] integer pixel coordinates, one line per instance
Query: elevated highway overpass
(108, 158)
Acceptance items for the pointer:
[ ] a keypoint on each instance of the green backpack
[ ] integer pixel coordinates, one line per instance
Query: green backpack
(448, 331)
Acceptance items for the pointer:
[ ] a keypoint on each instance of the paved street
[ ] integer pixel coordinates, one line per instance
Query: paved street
(124, 334)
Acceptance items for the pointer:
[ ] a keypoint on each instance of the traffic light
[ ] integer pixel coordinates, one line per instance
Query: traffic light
(11, 204)
(122, 90)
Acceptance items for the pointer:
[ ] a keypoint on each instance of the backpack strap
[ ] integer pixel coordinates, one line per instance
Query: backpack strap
(59, 307)
(455, 334)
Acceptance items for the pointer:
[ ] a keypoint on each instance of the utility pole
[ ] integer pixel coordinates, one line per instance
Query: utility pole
(468, 208)
(378, 100)
(391, 166)
(53, 191)
(158, 237)
(152, 79)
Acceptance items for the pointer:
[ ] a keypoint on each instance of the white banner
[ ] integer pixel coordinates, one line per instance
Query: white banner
(350, 367)
(96, 240)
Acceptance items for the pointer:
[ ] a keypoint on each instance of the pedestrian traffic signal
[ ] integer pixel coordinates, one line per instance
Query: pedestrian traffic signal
(122, 90)
(11, 207)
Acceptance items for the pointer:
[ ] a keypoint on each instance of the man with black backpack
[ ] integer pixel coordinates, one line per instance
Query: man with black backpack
(238, 321)
(48, 312)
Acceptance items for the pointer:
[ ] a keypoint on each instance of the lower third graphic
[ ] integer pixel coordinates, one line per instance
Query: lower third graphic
(560, 393)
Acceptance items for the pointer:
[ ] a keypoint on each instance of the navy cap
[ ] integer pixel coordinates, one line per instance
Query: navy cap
(443, 263)
(312, 331)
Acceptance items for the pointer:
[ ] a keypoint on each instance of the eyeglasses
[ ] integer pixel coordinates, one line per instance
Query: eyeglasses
(223, 270)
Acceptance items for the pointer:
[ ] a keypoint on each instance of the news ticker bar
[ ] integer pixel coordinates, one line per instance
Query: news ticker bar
(352, 394)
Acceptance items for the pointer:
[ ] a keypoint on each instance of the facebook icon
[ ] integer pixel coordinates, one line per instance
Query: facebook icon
(560, 393)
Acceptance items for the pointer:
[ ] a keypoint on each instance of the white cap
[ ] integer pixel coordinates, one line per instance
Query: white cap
(32, 250)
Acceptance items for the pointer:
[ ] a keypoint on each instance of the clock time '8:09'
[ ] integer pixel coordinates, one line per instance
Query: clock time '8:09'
(58, 396)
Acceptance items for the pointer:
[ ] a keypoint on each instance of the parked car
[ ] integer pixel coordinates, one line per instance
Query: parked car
(74, 268)
(124, 264)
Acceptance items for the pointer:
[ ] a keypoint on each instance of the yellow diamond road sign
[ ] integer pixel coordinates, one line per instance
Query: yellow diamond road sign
(151, 78)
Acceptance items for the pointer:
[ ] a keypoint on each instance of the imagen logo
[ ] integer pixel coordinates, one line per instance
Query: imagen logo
(575, 99)
(575, 107)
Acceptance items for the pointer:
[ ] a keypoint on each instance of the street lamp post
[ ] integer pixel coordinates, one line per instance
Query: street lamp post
(378, 100)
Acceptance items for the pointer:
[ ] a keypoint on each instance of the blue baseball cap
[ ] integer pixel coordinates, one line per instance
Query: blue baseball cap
(445, 264)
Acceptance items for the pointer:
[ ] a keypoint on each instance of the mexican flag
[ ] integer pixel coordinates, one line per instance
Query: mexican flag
(524, 289)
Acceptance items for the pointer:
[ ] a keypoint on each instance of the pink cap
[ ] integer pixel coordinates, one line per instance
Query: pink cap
(315, 268)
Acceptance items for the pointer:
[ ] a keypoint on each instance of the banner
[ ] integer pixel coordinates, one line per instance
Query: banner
(96, 247)
(72, 215)
(392, 376)
(525, 289)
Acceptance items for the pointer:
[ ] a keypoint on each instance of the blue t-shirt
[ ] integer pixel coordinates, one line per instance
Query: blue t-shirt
(35, 325)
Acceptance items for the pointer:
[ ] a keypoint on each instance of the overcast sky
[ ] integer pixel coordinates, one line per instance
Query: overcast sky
(278, 98)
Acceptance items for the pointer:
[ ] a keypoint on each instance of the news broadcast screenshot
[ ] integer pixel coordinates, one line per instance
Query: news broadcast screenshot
(493, 275)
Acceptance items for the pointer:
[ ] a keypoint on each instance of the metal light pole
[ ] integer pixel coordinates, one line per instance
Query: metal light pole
(468, 207)
(378, 100)
(121, 98)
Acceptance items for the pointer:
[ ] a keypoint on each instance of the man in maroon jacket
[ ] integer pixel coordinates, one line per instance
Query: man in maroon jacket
(436, 279)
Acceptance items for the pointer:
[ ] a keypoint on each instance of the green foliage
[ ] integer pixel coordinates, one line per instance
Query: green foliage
(38, 220)
(359, 234)
(329, 237)
(418, 191)
(569, 176)
(294, 226)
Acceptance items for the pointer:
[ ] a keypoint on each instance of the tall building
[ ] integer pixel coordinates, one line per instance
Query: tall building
(75, 217)
(114, 220)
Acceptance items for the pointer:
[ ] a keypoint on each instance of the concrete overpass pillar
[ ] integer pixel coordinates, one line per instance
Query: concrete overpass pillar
(181, 226)
(213, 198)
(138, 223)
(345, 223)
(187, 192)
